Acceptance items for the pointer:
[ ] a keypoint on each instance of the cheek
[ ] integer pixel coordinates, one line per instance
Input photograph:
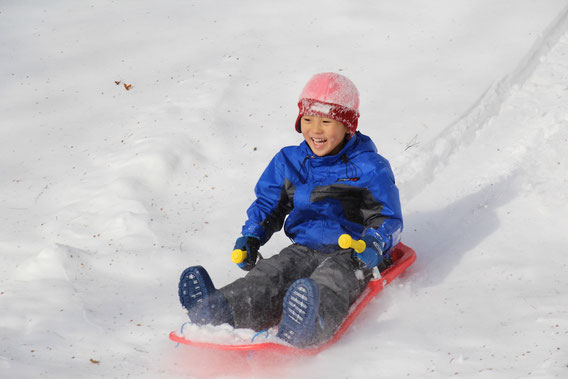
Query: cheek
(333, 139)
(337, 136)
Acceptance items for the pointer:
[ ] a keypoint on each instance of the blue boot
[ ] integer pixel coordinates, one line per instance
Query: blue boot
(204, 303)
(300, 321)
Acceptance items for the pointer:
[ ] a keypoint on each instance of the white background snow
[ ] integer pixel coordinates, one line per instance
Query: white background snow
(106, 195)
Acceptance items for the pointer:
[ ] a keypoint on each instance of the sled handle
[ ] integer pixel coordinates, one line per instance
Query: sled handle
(345, 241)
(238, 256)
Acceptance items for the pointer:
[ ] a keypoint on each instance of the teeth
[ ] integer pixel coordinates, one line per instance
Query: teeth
(319, 140)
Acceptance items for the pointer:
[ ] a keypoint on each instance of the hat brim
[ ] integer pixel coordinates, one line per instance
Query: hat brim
(347, 116)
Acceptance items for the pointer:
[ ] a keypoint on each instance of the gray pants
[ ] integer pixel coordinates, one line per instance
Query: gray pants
(256, 299)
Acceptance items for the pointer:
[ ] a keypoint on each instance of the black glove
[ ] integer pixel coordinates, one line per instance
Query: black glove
(250, 245)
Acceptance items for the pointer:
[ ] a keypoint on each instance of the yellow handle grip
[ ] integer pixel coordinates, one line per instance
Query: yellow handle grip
(345, 241)
(238, 256)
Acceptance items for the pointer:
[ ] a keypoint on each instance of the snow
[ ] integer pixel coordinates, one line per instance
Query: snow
(225, 334)
(106, 195)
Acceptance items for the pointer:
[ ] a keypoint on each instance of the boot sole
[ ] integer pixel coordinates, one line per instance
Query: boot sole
(194, 286)
(300, 312)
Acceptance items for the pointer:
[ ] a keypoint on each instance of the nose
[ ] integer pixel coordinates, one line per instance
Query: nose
(317, 126)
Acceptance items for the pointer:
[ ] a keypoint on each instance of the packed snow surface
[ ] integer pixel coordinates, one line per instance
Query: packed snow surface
(132, 134)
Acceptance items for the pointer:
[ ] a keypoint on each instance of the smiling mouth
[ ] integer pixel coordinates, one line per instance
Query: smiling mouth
(319, 141)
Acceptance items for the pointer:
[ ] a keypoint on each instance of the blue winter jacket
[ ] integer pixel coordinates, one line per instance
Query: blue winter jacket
(352, 192)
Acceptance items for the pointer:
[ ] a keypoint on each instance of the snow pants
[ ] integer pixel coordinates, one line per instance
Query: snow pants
(256, 299)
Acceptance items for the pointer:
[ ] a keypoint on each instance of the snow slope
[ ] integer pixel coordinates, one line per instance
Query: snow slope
(107, 194)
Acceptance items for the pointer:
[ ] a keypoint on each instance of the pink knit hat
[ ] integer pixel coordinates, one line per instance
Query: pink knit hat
(332, 96)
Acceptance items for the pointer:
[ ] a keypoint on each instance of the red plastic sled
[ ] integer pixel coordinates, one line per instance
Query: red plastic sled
(402, 256)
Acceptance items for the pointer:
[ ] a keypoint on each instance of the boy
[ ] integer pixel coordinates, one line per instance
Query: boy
(333, 183)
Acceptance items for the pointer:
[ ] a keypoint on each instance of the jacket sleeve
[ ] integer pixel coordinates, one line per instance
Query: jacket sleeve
(385, 224)
(267, 213)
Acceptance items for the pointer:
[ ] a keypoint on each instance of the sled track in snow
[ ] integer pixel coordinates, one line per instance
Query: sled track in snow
(418, 170)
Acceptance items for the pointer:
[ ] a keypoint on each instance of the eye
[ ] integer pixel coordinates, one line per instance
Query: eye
(307, 119)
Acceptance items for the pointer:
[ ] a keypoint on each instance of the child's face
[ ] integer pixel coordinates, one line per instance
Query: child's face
(324, 136)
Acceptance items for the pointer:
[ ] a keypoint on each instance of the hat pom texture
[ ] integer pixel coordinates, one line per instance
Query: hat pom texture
(332, 96)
